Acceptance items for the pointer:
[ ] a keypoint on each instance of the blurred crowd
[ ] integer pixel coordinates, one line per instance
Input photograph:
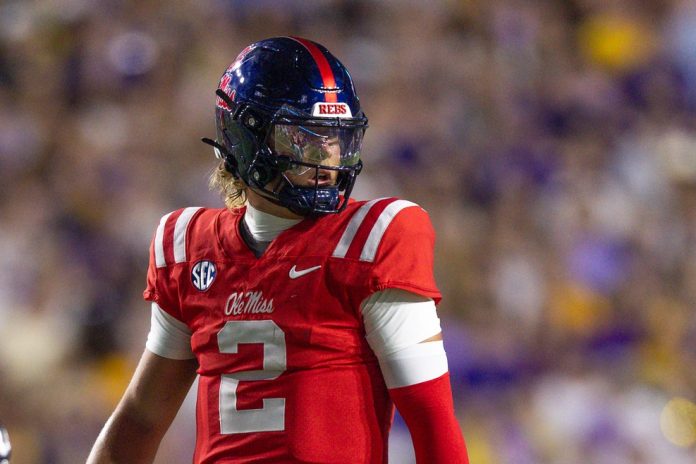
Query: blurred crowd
(553, 144)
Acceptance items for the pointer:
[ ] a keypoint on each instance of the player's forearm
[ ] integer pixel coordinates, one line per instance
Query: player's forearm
(126, 438)
(428, 411)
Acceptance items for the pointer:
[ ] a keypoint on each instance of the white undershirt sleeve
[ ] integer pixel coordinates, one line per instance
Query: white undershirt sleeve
(168, 337)
(396, 324)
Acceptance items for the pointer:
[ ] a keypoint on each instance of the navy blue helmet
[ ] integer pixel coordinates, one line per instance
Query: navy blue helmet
(289, 124)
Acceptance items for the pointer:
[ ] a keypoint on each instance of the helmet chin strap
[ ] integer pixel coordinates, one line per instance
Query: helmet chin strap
(263, 193)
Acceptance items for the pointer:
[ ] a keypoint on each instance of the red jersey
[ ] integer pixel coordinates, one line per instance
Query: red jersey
(286, 374)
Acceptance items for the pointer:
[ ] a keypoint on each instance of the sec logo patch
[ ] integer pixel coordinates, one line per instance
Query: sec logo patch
(203, 274)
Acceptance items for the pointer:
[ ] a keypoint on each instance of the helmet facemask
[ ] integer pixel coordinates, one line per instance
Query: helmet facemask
(293, 159)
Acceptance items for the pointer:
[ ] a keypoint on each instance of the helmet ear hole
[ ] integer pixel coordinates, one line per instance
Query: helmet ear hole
(252, 120)
(262, 173)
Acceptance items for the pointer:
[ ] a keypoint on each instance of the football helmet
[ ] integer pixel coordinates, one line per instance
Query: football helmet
(289, 124)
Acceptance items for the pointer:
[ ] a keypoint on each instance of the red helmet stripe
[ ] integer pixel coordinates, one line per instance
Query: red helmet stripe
(327, 75)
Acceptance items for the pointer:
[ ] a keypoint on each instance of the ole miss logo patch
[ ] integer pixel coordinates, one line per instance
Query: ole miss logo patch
(331, 110)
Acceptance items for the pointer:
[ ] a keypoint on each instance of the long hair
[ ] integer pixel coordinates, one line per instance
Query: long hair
(232, 190)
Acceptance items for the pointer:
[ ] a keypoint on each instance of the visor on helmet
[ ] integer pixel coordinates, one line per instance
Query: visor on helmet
(311, 146)
(308, 141)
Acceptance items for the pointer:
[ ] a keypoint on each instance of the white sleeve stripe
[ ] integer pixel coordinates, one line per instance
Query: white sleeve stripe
(352, 229)
(370, 248)
(180, 233)
(168, 337)
(415, 364)
(159, 242)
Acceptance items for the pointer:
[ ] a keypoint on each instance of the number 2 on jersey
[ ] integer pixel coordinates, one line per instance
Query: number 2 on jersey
(271, 417)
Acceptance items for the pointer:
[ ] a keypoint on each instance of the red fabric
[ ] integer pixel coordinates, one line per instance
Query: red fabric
(158, 289)
(366, 226)
(405, 255)
(168, 235)
(428, 411)
(335, 404)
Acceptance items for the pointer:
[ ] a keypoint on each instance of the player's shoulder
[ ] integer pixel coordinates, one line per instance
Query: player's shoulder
(390, 206)
(367, 224)
(387, 212)
(180, 231)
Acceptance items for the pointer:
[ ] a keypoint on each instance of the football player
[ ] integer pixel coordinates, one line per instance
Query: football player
(306, 315)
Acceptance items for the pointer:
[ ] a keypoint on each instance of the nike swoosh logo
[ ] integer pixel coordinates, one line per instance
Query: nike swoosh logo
(294, 273)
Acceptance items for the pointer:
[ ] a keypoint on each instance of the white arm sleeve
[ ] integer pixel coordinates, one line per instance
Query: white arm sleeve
(396, 322)
(168, 337)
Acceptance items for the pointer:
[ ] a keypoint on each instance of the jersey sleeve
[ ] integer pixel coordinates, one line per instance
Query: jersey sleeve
(160, 288)
(168, 337)
(404, 255)
(150, 293)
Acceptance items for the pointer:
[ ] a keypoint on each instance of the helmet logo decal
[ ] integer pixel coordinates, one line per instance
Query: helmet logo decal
(225, 84)
(332, 110)
(203, 274)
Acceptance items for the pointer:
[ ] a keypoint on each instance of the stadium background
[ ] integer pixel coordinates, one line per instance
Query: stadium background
(552, 143)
